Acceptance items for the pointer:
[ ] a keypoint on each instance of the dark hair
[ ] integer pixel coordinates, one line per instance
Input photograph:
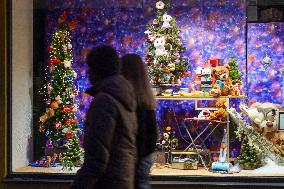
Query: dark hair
(134, 70)
(103, 61)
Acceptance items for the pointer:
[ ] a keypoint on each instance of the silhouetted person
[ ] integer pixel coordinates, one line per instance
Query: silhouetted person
(134, 70)
(111, 126)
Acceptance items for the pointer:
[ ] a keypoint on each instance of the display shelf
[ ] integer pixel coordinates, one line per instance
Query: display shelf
(197, 98)
(210, 120)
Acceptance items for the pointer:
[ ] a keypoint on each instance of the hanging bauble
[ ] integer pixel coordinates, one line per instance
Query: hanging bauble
(58, 99)
(266, 61)
(160, 5)
(67, 64)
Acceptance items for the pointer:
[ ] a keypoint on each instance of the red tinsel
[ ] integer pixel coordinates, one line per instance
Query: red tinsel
(54, 61)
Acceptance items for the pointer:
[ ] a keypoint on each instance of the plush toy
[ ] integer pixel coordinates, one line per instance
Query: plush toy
(166, 21)
(215, 91)
(221, 77)
(221, 113)
(236, 90)
(171, 67)
(264, 116)
(159, 44)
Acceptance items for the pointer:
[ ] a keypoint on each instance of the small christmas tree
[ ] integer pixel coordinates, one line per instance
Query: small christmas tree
(234, 72)
(249, 157)
(59, 123)
(163, 57)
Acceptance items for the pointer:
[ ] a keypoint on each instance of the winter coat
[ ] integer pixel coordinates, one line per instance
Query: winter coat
(110, 137)
(147, 131)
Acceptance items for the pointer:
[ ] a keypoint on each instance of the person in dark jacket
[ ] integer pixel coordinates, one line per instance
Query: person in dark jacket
(111, 126)
(134, 70)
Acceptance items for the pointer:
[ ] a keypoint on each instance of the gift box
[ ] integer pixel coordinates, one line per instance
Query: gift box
(185, 164)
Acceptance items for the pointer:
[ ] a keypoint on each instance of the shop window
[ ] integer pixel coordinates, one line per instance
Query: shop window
(208, 124)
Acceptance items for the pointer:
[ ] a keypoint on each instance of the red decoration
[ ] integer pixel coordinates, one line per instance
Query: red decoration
(62, 18)
(73, 24)
(50, 48)
(213, 62)
(69, 135)
(66, 109)
(54, 61)
(41, 128)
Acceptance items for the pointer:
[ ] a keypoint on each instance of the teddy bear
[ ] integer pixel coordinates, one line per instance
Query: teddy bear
(159, 44)
(264, 118)
(221, 113)
(215, 91)
(221, 77)
(166, 21)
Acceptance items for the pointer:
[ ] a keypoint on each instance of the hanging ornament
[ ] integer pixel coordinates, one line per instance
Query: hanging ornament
(58, 99)
(75, 74)
(75, 108)
(67, 64)
(50, 112)
(160, 5)
(69, 46)
(266, 61)
(65, 48)
(166, 21)
(54, 105)
(155, 22)
(58, 125)
(43, 118)
(41, 128)
(49, 88)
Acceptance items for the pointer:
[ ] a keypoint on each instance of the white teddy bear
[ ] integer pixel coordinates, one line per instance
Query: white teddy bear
(159, 44)
(166, 21)
(264, 115)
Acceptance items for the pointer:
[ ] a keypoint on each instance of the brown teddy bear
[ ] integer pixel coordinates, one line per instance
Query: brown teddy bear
(221, 77)
(215, 91)
(221, 113)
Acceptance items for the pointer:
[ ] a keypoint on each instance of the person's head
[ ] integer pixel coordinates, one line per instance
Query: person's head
(134, 70)
(103, 61)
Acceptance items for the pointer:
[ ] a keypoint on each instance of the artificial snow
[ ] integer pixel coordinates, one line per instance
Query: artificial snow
(270, 168)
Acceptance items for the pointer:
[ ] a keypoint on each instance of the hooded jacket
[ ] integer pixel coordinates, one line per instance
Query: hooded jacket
(110, 137)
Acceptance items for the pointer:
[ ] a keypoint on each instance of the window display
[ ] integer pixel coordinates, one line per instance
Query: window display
(218, 82)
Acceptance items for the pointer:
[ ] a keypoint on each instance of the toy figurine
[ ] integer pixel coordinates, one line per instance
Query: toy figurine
(48, 161)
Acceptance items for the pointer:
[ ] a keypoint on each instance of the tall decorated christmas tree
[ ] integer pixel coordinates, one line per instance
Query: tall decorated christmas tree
(59, 123)
(164, 54)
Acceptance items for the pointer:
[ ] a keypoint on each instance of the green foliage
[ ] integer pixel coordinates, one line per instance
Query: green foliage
(234, 71)
(249, 155)
(74, 154)
(59, 122)
(158, 65)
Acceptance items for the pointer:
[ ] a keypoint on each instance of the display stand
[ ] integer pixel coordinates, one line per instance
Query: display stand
(196, 99)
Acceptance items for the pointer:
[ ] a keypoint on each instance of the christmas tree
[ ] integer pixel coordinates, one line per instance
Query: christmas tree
(163, 57)
(234, 72)
(59, 123)
(249, 156)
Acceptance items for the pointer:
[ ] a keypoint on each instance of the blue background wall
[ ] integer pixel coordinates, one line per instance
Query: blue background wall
(209, 28)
